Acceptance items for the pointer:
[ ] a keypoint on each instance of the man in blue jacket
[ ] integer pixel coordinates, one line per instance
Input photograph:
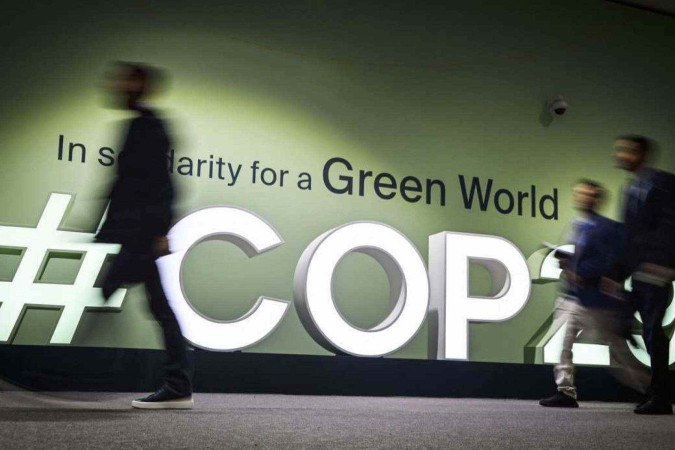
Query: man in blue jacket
(582, 303)
(649, 218)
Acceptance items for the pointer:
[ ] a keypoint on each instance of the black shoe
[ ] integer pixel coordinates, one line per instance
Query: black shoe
(165, 398)
(655, 406)
(559, 400)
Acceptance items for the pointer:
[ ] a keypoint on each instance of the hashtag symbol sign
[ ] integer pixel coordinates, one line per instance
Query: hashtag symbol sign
(73, 299)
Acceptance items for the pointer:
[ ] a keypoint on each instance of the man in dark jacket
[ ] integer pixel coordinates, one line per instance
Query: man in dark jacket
(139, 217)
(582, 304)
(649, 218)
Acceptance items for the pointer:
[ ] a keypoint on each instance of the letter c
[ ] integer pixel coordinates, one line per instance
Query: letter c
(251, 234)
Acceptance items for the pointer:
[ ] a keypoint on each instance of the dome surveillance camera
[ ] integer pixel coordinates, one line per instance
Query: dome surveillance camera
(558, 106)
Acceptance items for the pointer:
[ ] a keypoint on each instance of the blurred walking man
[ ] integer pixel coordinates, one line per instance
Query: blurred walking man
(649, 218)
(582, 304)
(139, 217)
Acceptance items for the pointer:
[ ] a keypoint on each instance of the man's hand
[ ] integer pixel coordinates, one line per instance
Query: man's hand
(160, 247)
(571, 276)
(611, 288)
(666, 274)
(564, 263)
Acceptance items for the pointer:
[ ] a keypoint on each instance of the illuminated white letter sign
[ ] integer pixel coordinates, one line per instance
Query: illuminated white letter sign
(408, 283)
(254, 236)
(449, 258)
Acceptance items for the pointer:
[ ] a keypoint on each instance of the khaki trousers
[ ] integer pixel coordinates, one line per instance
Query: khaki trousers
(600, 325)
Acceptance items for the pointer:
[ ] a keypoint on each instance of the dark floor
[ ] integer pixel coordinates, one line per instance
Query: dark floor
(78, 420)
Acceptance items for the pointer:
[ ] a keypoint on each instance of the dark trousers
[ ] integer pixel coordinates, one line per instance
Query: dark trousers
(652, 301)
(132, 266)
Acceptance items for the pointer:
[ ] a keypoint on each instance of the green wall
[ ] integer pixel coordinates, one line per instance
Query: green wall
(430, 90)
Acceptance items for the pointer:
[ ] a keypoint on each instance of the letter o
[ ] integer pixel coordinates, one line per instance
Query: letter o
(408, 282)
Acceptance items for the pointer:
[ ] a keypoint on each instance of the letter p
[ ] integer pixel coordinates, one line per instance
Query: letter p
(449, 257)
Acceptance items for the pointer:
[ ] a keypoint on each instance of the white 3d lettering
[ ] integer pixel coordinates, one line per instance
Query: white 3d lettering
(254, 236)
(450, 254)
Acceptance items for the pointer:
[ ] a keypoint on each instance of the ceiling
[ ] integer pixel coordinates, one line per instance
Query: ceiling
(659, 6)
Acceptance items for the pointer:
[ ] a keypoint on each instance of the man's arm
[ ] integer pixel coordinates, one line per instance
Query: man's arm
(659, 225)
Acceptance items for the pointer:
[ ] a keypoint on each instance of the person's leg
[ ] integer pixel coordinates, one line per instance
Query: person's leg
(564, 370)
(623, 365)
(652, 302)
(177, 369)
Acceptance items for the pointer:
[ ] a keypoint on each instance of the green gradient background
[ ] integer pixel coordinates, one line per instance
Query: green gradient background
(430, 91)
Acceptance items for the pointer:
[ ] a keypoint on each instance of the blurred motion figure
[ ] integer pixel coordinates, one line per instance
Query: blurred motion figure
(582, 304)
(649, 218)
(139, 216)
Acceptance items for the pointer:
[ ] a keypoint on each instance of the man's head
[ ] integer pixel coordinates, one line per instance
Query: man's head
(130, 83)
(588, 195)
(632, 151)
